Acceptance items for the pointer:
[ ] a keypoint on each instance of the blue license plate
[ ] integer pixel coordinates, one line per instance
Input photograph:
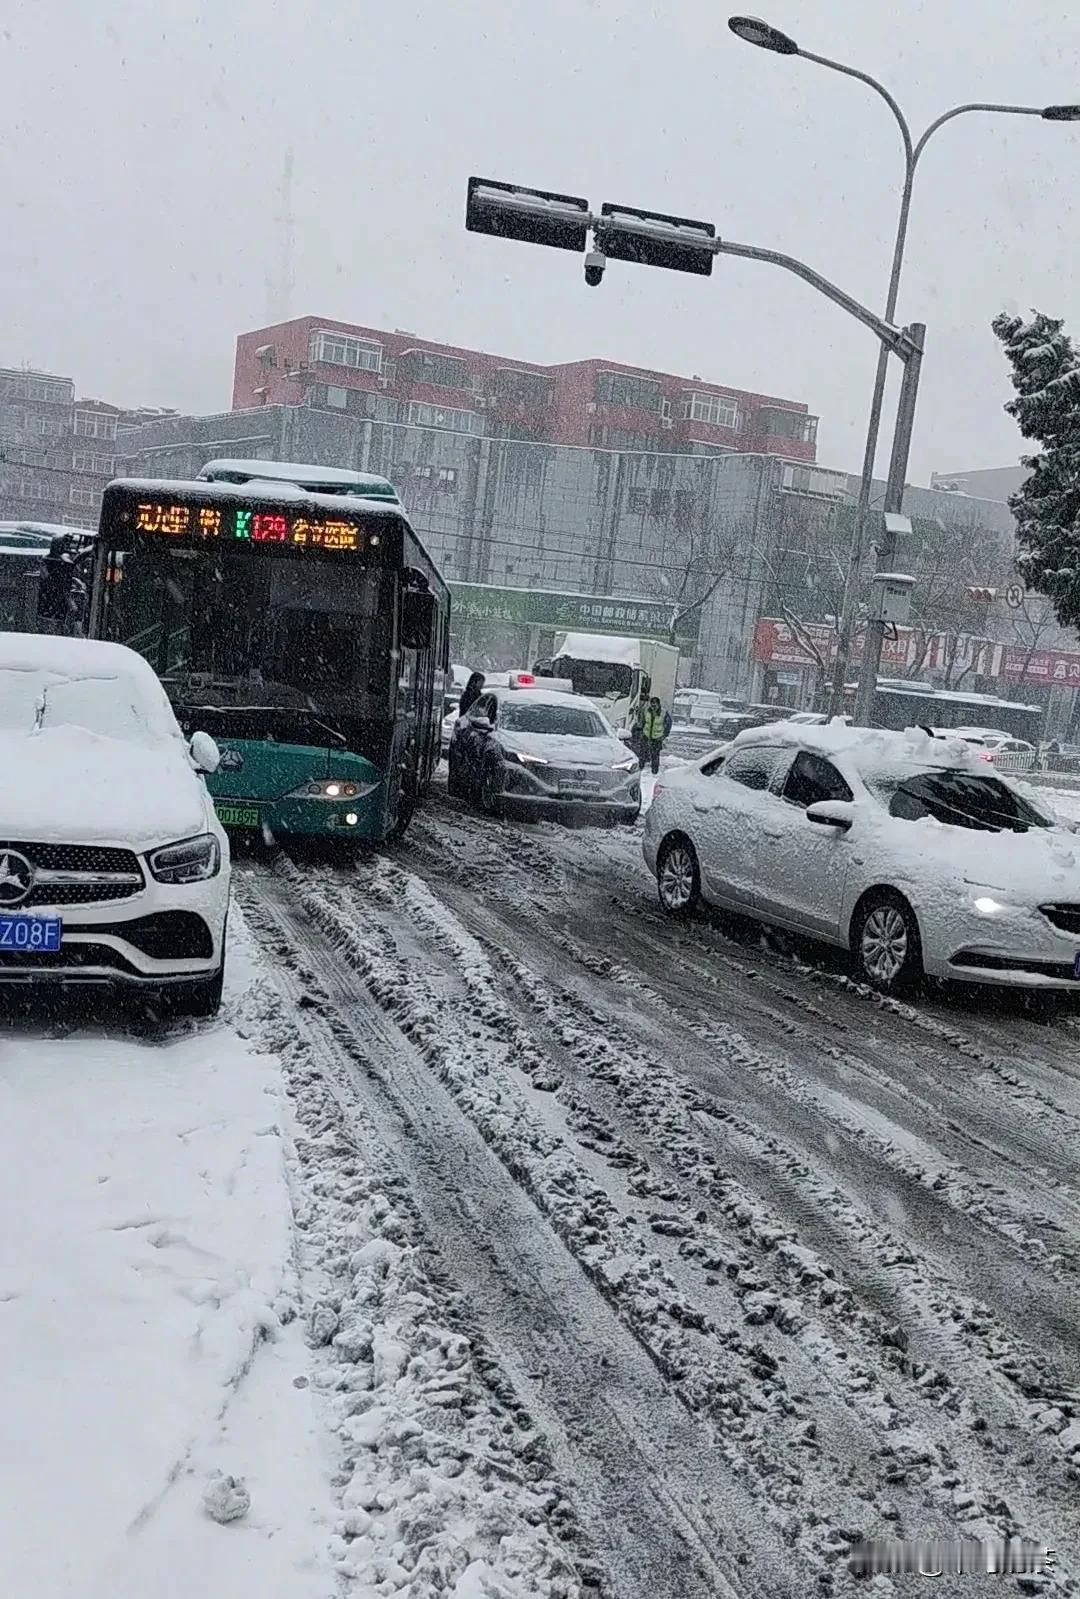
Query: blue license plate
(30, 935)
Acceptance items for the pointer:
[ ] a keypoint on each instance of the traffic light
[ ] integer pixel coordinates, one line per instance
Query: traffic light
(652, 239)
(534, 216)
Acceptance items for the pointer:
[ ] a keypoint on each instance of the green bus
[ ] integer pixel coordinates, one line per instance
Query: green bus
(307, 632)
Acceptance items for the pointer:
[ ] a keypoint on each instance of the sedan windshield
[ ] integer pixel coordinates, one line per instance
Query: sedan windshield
(959, 799)
(577, 721)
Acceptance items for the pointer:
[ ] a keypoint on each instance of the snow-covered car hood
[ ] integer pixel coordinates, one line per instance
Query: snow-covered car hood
(1041, 864)
(565, 749)
(68, 785)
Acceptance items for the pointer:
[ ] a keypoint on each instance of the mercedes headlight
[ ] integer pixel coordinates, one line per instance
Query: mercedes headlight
(193, 861)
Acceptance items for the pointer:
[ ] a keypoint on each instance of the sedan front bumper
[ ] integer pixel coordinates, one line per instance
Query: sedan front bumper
(1017, 947)
(599, 793)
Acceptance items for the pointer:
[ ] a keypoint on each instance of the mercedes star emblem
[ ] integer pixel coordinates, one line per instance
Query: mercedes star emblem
(16, 878)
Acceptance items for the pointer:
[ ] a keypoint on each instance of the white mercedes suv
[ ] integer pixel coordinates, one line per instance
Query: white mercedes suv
(113, 866)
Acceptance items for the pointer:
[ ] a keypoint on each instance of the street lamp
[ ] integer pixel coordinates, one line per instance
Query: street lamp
(754, 31)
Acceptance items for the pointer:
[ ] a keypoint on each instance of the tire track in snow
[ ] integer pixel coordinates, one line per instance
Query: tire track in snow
(942, 1486)
(666, 1515)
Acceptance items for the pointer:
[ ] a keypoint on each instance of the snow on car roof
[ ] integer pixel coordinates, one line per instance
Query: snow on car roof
(600, 647)
(866, 749)
(70, 657)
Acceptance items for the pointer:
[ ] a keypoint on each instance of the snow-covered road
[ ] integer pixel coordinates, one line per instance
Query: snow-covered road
(626, 1257)
(843, 1232)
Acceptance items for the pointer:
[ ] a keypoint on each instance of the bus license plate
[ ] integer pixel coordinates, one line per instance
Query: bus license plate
(237, 815)
(30, 935)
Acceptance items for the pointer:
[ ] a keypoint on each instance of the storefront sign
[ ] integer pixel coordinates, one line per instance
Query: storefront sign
(586, 613)
(775, 644)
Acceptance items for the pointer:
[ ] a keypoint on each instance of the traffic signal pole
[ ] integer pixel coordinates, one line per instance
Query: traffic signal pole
(874, 636)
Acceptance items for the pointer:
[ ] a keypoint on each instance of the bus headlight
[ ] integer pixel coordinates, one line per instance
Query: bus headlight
(193, 861)
(332, 788)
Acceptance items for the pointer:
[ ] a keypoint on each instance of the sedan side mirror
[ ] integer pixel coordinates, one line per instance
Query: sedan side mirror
(832, 813)
(205, 755)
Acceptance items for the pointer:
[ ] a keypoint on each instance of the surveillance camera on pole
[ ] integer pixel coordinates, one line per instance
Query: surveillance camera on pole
(595, 262)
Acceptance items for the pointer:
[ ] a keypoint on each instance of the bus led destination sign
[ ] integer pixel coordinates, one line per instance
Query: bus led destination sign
(242, 524)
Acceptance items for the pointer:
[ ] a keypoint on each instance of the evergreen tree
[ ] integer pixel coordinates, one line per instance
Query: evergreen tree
(1046, 377)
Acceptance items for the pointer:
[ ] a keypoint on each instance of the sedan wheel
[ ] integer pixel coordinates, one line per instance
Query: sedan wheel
(886, 943)
(678, 878)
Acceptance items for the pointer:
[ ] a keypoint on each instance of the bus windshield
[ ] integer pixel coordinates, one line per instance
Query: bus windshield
(227, 630)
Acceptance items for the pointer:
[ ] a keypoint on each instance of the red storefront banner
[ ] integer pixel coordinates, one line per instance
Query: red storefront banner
(776, 644)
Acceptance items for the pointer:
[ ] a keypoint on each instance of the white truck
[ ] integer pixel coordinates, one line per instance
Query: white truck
(615, 673)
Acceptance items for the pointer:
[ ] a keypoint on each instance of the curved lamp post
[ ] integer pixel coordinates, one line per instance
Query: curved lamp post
(752, 30)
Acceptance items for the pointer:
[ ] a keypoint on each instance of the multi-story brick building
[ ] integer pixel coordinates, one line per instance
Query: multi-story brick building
(56, 452)
(396, 377)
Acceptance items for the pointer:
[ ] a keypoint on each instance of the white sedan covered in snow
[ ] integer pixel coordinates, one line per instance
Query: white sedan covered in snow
(113, 867)
(903, 847)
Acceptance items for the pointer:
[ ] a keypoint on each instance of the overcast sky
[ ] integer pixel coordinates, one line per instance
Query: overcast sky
(141, 151)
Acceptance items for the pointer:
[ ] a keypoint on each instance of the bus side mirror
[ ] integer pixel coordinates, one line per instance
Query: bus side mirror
(417, 620)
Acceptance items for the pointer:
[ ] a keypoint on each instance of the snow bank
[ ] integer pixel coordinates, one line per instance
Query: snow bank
(144, 1280)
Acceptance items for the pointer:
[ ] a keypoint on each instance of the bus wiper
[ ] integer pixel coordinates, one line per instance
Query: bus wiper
(342, 740)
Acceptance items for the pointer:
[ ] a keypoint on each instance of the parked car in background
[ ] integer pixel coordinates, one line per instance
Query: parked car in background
(532, 752)
(905, 848)
(114, 869)
(1003, 750)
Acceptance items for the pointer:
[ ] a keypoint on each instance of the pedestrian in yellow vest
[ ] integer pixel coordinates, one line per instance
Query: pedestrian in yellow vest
(655, 727)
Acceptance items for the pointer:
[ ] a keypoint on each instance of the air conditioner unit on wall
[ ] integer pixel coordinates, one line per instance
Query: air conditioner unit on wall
(666, 422)
(590, 408)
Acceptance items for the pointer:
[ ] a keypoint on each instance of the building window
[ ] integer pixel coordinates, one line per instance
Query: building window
(424, 366)
(337, 397)
(814, 480)
(637, 500)
(523, 388)
(53, 391)
(83, 461)
(719, 409)
(779, 424)
(94, 425)
(81, 496)
(49, 427)
(606, 438)
(422, 415)
(620, 388)
(660, 502)
(447, 479)
(345, 349)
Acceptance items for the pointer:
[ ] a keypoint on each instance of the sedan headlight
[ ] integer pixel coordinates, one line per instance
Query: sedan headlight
(523, 759)
(624, 766)
(193, 861)
(332, 788)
